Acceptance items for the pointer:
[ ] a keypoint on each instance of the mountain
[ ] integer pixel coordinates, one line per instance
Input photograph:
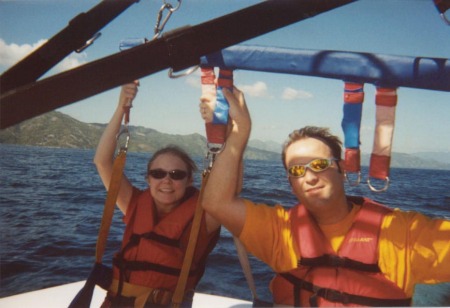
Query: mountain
(270, 146)
(55, 129)
(443, 157)
(402, 160)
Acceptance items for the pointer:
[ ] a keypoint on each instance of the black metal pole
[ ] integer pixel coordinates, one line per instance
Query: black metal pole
(79, 30)
(177, 49)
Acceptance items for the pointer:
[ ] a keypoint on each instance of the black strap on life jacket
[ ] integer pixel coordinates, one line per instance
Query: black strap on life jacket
(178, 49)
(126, 266)
(336, 296)
(336, 261)
(135, 238)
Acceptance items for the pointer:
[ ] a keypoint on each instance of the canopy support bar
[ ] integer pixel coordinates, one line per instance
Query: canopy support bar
(179, 49)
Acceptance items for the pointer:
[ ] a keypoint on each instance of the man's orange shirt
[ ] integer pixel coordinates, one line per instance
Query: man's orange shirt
(413, 248)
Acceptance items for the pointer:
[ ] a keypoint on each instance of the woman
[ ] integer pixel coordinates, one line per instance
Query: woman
(158, 222)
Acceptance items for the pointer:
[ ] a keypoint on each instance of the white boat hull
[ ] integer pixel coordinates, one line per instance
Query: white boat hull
(61, 296)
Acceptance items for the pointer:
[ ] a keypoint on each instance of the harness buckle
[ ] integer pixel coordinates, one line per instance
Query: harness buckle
(160, 297)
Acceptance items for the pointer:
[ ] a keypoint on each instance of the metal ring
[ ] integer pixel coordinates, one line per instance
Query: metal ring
(358, 179)
(188, 72)
(378, 190)
(173, 8)
(126, 132)
(215, 148)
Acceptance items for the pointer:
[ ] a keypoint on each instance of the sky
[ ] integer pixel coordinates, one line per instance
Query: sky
(278, 103)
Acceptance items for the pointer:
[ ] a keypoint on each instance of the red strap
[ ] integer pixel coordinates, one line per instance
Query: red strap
(386, 97)
(380, 160)
(379, 166)
(353, 93)
(352, 160)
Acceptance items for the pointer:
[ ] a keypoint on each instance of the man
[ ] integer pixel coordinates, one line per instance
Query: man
(330, 249)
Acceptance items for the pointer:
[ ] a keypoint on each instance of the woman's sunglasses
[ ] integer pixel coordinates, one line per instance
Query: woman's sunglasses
(159, 174)
(316, 165)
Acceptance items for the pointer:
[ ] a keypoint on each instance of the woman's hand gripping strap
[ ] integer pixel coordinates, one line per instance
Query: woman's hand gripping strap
(216, 127)
(351, 124)
(380, 160)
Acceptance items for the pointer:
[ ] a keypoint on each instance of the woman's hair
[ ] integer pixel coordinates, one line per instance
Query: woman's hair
(178, 152)
(321, 133)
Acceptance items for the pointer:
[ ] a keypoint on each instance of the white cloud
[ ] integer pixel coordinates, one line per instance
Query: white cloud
(292, 94)
(258, 89)
(72, 61)
(12, 53)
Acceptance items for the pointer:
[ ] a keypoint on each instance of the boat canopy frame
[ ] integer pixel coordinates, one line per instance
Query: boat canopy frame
(202, 44)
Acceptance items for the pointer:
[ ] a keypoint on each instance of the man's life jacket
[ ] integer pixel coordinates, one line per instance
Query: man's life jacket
(153, 251)
(350, 277)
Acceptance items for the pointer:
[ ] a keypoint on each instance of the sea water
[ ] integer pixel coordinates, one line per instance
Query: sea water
(51, 204)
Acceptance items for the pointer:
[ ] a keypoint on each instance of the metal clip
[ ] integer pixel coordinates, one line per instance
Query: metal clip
(89, 42)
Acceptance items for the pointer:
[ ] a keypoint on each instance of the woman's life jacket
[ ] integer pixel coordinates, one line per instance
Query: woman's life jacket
(350, 277)
(153, 251)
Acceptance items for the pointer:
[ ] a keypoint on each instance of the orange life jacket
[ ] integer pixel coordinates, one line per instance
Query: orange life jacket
(152, 252)
(350, 277)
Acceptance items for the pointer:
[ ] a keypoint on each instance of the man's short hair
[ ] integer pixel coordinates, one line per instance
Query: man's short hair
(321, 133)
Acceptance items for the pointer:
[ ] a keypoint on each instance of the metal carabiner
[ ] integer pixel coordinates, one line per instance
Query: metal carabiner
(444, 17)
(215, 148)
(188, 72)
(372, 188)
(160, 27)
(207, 162)
(89, 42)
(356, 182)
(125, 132)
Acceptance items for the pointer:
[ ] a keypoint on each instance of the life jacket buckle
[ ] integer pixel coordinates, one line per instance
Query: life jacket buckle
(334, 296)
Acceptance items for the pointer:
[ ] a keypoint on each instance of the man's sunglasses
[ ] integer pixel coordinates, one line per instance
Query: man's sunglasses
(316, 165)
(159, 174)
